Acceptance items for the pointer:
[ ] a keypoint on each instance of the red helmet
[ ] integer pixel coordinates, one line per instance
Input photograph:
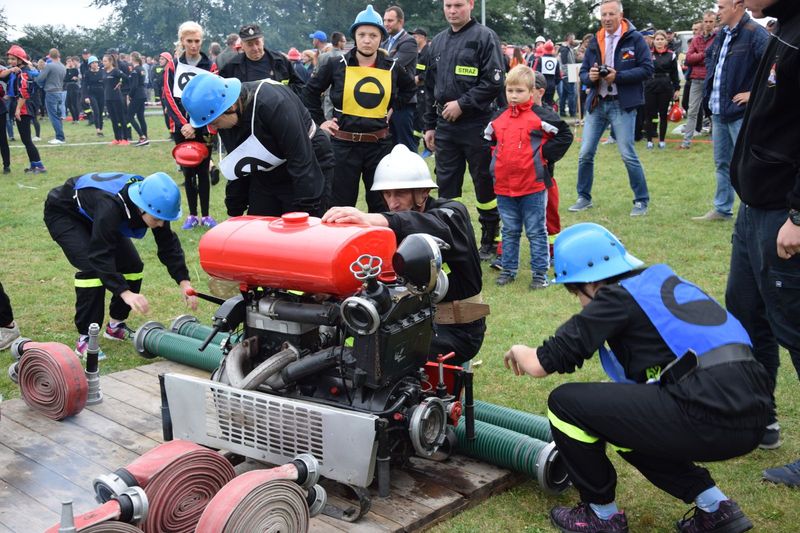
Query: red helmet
(294, 54)
(548, 48)
(676, 112)
(190, 153)
(17, 51)
(167, 56)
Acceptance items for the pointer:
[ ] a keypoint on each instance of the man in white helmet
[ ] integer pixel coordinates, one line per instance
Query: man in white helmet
(404, 181)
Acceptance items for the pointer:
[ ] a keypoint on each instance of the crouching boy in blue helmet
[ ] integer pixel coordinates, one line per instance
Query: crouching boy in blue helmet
(687, 386)
(93, 218)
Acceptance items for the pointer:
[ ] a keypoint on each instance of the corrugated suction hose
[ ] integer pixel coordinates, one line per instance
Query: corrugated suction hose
(52, 380)
(529, 424)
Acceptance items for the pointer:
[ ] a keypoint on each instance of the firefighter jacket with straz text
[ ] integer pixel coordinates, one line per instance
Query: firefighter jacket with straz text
(467, 66)
(361, 96)
(106, 213)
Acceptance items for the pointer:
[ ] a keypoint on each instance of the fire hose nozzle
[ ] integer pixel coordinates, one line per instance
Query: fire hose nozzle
(317, 499)
(13, 372)
(67, 524)
(18, 346)
(94, 394)
(307, 469)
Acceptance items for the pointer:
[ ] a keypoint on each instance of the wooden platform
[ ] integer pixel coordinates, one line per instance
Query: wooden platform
(43, 462)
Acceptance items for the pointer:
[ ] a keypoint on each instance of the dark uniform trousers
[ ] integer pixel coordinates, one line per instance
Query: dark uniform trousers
(73, 237)
(197, 180)
(648, 428)
(6, 313)
(354, 159)
(463, 339)
(458, 146)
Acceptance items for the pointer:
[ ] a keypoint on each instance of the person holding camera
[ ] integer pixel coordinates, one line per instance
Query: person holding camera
(615, 66)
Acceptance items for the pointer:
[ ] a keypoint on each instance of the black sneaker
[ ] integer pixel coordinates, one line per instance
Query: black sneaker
(729, 518)
(6, 170)
(771, 440)
(538, 282)
(497, 263)
(581, 519)
(143, 141)
(504, 279)
(487, 251)
(788, 475)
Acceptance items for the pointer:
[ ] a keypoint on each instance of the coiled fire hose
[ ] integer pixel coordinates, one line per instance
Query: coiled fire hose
(153, 340)
(179, 478)
(51, 378)
(515, 451)
(267, 500)
(128, 508)
(529, 424)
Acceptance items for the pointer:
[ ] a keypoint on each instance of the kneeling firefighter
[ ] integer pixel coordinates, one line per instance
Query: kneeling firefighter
(278, 160)
(404, 181)
(93, 218)
(688, 388)
(364, 86)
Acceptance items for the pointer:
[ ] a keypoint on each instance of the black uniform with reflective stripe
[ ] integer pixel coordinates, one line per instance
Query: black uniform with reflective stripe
(332, 74)
(107, 213)
(473, 51)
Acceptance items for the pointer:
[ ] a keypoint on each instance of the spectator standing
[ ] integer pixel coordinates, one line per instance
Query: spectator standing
(256, 62)
(464, 77)
(72, 86)
(660, 90)
(614, 94)
(231, 51)
(297, 64)
(94, 94)
(674, 42)
(528, 139)
(566, 90)
(5, 152)
(548, 65)
(112, 81)
(23, 110)
(319, 40)
(421, 37)
(403, 49)
(731, 62)
(765, 257)
(51, 79)
(138, 96)
(696, 60)
(332, 50)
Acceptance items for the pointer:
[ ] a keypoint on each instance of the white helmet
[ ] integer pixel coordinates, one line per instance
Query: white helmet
(402, 169)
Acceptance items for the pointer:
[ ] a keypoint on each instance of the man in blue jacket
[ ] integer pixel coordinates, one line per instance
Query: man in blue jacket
(731, 62)
(615, 66)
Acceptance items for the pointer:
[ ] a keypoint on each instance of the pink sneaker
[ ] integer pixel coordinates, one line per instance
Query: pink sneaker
(120, 332)
(82, 346)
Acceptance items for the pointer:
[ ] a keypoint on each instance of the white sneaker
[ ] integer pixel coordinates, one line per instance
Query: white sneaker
(56, 141)
(36, 138)
(8, 335)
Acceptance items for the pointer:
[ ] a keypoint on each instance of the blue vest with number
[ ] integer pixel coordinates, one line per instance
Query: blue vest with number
(111, 183)
(684, 316)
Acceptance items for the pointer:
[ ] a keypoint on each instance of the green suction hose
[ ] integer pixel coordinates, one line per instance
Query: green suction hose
(529, 424)
(189, 326)
(515, 451)
(153, 340)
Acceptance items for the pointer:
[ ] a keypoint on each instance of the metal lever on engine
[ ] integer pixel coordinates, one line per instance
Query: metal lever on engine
(207, 297)
(230, 314)
(441, 388)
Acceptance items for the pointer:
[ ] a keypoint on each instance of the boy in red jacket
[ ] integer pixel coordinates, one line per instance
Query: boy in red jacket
(528, 139)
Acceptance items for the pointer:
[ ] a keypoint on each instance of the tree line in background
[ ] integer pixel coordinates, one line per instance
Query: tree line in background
(150, 26)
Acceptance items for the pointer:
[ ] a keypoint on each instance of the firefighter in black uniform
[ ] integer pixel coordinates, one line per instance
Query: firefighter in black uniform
(404, 181)
(93, 218)
(421, 37)
(464, 76)
(256, 62)
(278, 159)
(364, 85)
(688, 387)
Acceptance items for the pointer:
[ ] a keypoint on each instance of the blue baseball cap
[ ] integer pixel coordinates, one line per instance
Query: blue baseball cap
(319, 34)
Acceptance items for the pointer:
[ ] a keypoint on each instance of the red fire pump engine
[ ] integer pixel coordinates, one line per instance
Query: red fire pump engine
(336, 322)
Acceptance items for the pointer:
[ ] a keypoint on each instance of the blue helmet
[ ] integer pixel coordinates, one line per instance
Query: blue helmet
(157, 195)
(207, 96)
(368, 17)
(587, 252)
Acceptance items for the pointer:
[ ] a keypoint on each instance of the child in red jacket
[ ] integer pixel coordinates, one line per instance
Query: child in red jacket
(528, 139)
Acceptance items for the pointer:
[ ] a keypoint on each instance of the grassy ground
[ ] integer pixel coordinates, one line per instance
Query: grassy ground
(39, 281)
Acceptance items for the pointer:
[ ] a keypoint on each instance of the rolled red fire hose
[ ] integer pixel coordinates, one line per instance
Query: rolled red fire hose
(257, 501)
(179, 478)
(52, 380)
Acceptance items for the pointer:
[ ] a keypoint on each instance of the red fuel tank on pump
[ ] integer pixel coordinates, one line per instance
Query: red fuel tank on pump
(293, 252)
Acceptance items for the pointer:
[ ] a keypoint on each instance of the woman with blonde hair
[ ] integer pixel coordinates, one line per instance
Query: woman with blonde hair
(189, 61)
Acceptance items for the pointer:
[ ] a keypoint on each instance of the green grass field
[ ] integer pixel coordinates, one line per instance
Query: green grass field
(38, 279)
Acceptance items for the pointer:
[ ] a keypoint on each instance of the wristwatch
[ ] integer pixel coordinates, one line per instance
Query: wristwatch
(794, 216)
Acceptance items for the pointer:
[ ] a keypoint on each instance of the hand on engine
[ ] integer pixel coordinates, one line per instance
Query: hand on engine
(346, 215)
(524, 360)
(136, 301)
